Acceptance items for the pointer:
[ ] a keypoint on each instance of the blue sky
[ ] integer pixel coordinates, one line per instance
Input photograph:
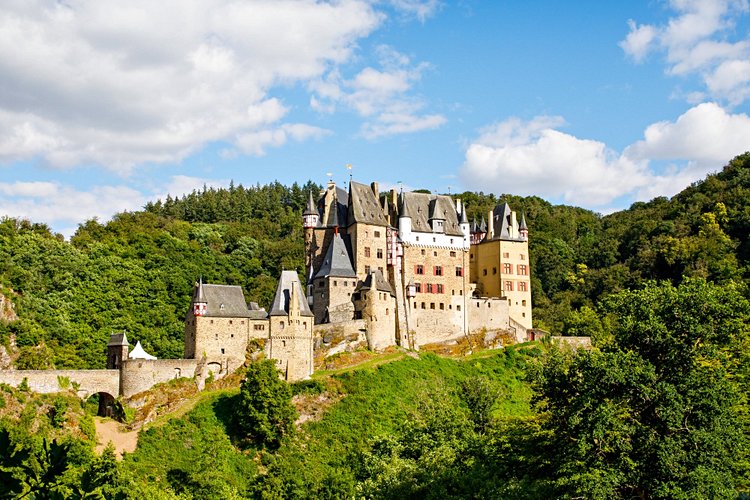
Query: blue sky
(105, 105)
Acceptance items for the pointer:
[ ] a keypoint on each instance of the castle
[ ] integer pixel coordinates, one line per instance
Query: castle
(407, 269)
(413, 268)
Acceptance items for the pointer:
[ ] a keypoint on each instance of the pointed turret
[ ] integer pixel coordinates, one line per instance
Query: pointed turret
(523, 229)
(437, 217)
(310, 215)
(200, 304)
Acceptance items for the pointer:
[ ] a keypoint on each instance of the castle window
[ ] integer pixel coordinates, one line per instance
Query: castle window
(415, 305)
(521, 286)
(367, 251)
(281, 325)
(507, 268)
(506, 255)
(477, 304)
(216, 336)
(484, 272)
(439, 288)
(523, 270)
(429, 287)
(523, 302)
(283, 343)
(221, 306)
(434, 240)
(230, 321)
(242, 322)
(522, 256)
(459, 271)
(335, 283)
(380, 253)
(386, 311)
(304, 324)
(442, 306)
(434, 254)
(418, 240)
(494, 270)
(422, 251)
(418, 287)
(438, 270)
(346, 283)
(453, 292)
(453, 254)
(423, 305)
(509, 286)
(419, 269)
(458, 308)
(377, 234)
(432, 305)
(232, 335)
(259, 327)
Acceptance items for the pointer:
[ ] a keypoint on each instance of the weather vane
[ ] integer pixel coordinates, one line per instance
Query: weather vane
(349, 168)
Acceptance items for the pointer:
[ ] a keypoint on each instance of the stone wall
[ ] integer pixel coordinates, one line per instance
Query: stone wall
(488, 312)
(379, 313)
(291, 345)
(368, 249)
(333, 299)
(222, 338)
(138, 375)
(437, 311)
(573, 342)
(49, 381)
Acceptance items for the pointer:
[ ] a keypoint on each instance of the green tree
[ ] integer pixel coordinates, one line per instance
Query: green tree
(265, 412)
(657, 412)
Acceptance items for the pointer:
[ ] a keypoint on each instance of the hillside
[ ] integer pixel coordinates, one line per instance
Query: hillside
(136, 271)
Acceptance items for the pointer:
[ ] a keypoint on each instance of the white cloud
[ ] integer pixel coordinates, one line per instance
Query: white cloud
(421, 9)
(117, 84)
(534, 158)
(697, 41)
(380, 95)
(255, 143)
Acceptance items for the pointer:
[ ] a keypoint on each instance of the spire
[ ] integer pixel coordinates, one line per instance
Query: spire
(310, 210)
(200, 304)
(404, 208)
(522, 226)
(464, 219)
(483, 226)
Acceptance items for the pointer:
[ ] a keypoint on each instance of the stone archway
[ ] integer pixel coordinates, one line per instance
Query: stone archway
(106, 404)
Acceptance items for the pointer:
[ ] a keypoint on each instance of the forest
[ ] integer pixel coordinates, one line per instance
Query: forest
(657, 409)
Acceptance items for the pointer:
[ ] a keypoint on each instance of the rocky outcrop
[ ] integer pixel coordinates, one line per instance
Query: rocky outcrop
(7, 309)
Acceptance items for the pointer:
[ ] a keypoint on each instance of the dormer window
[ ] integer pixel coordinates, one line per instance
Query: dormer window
(221, 307)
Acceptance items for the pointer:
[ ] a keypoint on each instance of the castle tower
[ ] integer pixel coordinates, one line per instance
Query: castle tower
(376, 300)
(291, 329)
(117, 350)
(200, 304)
(333, 285)
(500, 263)
(310, 219)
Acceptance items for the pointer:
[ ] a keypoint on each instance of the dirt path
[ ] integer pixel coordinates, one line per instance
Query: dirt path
(108, 430)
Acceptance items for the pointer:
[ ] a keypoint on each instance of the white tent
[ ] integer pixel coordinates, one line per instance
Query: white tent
(139, 353)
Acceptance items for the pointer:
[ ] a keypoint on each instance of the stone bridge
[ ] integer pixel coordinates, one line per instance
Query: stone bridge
(84, 382)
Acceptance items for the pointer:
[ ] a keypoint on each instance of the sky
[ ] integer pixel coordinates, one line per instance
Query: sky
(106, 105)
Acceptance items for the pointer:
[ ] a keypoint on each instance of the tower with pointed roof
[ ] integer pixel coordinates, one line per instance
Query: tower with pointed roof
(500, 263)
(291, 329)
(117, 350)
(333, 285)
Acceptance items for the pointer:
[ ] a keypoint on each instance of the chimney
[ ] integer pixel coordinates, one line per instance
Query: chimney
(490, 225)
(374, 187)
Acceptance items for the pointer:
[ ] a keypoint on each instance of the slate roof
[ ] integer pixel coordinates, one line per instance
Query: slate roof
(337, 261)
(523, 225)
(375, 280)
(364, 207)
(310, 209)
(228, 301)
(280, 307)
(334, 216)
(421, 207)
(117, 339)
(501, 214)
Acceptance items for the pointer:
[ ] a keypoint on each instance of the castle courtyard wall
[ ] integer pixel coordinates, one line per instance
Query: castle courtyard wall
(88, 382)
(138, 375)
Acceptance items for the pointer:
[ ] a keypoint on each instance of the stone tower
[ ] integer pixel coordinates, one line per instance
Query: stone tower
(291, 329)
(117, 350)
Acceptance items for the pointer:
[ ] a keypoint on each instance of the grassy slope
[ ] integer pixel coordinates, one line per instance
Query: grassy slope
(376, 401)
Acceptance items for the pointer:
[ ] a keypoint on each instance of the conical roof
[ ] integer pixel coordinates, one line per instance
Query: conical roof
(281, 302)
(464, 219)
(337, 262)
(310, 210)
(198, 294)
(483, 226)
(522, 225)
